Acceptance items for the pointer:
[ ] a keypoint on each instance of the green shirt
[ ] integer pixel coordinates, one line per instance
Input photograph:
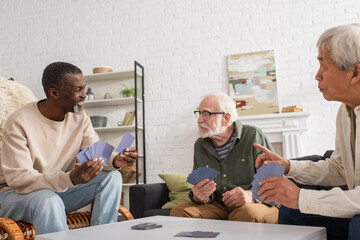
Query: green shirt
(238, 167)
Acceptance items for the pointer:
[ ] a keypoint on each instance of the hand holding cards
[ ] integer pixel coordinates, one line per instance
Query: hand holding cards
(200, 174)
(104, 149)
(98, 149)
(270, 170)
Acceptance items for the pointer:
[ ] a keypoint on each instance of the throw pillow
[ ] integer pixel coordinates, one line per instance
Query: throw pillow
(178, 188)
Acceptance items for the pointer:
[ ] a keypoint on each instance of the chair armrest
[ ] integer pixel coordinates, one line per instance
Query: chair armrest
(125, 213)
(11, 229)
(147, 196)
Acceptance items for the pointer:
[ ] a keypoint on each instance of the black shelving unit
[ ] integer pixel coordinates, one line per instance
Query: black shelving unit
(139, 70)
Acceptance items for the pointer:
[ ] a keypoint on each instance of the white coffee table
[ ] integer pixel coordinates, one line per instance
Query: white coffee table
(173, 225)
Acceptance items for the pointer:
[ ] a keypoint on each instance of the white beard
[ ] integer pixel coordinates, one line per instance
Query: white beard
(78, 110)
(211, 132)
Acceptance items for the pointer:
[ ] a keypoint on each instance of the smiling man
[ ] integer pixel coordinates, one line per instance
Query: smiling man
(338, 210)
(226, 146)
(38, 181)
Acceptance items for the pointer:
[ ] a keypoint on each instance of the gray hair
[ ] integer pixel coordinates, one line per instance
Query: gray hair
(343, 45)
(225, 104)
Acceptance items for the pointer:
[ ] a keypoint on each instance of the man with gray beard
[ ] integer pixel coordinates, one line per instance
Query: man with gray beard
(226, 146)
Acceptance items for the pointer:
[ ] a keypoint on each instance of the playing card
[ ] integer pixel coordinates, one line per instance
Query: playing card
(92, 151)
(106, 152)
(88, 154)
(258, 176)
(200, 174)
(197, 234)
(146, 226)
(104, 149)
(270, 170)
(81, 156)
(275, 170)
(255, 188)
(99, 147)
(126, 142)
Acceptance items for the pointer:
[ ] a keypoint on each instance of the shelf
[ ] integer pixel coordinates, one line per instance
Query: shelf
(110, 76)
(111, 102)
(120, 128)
(112, 83)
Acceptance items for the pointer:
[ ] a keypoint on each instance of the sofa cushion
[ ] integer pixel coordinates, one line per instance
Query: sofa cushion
(178, 188)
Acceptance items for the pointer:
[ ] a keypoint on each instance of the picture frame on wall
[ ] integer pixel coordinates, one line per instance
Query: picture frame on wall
(252, 82)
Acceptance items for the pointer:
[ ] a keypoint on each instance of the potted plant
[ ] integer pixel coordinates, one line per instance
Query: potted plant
(128, 92)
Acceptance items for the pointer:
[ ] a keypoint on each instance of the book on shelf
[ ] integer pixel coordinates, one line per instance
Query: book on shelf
(132, 119)
(126, 118)
(294, 108)
(129, 118)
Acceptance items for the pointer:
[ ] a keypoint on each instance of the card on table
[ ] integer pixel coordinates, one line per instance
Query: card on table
(146, 226)
(126, 142)
(270, 170)
(197, 234)
(200, 174)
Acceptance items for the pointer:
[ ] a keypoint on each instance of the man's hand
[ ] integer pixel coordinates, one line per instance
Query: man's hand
(281, 190)
(269, 156)
(237, 197)
(87, 171)
(202, 190)
(127, 159)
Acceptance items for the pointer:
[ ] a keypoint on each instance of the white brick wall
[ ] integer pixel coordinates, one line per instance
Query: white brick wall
(183, 46)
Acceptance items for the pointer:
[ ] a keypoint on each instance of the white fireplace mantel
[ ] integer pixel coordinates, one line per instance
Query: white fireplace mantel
(283, 128)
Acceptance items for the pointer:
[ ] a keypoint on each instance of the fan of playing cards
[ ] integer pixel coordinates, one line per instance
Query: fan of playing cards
(270, 170)
(200, 174)
(104, 149)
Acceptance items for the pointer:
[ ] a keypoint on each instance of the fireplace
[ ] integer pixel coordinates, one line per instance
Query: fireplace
(283, 130)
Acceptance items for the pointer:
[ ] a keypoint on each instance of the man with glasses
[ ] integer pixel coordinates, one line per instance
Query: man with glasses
(226, 146)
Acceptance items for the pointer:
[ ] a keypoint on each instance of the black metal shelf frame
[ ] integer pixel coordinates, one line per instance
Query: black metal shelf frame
(142, 97)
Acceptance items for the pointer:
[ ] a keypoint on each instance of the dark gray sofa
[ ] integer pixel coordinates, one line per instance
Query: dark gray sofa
(147, 199)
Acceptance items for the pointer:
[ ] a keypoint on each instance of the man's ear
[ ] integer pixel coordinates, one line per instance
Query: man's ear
(53, 93)
(356, 74)
(226, 118)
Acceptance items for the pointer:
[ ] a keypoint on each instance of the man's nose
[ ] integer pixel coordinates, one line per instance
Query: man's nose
(83, 93)
(318, 76)
(200, 119)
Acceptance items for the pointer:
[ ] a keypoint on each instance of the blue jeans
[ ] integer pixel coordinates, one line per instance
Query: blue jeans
(47, 209)
(338, 228)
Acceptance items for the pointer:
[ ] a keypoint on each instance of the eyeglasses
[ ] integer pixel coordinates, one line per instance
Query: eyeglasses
(205, 114)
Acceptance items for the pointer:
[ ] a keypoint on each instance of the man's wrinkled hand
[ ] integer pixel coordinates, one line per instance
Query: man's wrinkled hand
(237, 197)
(281, 190)
(87, 171)
(268, 156)
(127, 159)
(202, 190)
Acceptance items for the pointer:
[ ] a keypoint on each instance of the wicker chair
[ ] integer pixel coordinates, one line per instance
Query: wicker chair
(12, 230)
(12, 96)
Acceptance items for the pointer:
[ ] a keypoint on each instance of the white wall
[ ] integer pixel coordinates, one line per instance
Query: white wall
(183, 46)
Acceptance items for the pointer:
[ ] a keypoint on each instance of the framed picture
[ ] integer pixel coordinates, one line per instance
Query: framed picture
(252, 82)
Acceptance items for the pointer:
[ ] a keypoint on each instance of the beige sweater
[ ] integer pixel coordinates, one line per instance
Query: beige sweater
(38, 153)
(339, 169)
